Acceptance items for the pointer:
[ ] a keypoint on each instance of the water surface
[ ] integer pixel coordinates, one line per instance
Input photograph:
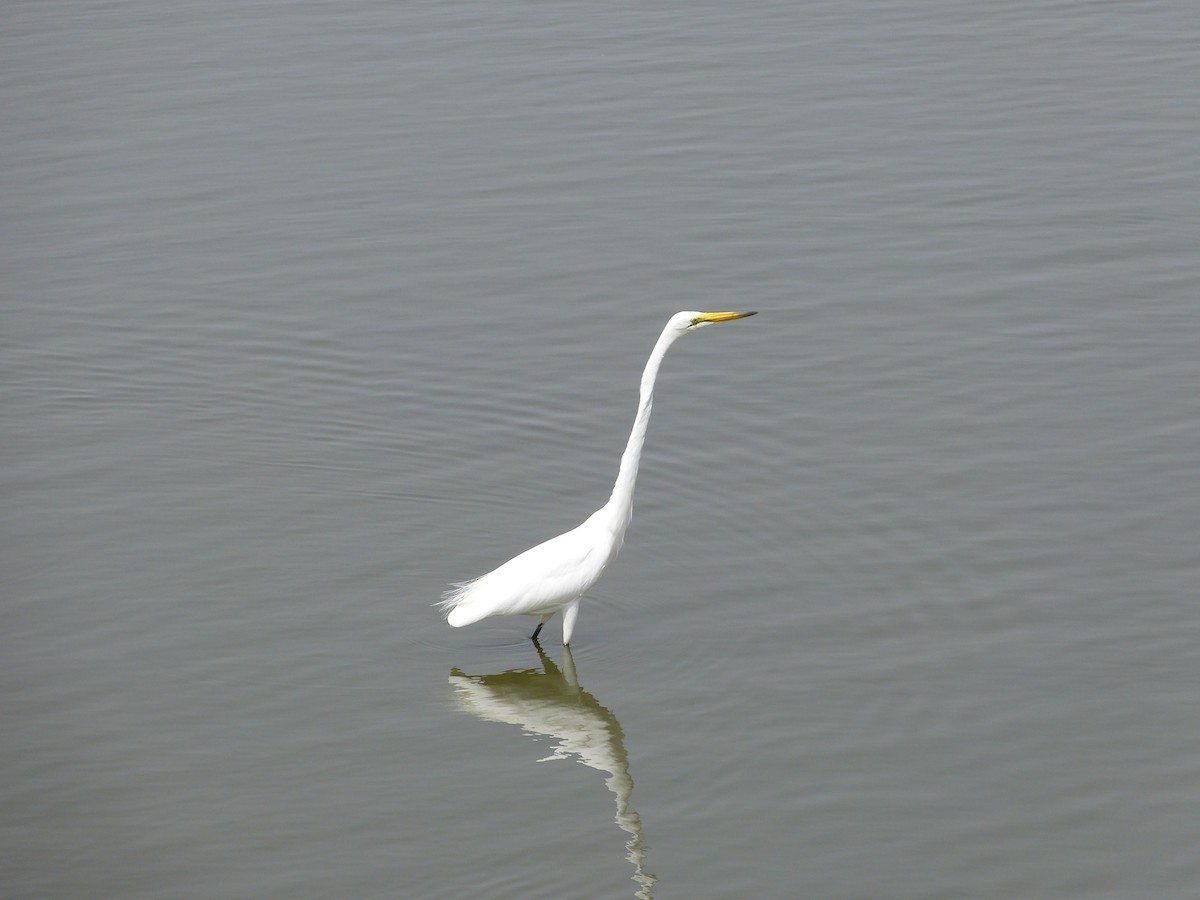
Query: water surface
(310, 310)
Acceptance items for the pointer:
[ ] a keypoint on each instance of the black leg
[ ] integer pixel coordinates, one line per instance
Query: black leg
(537, 631)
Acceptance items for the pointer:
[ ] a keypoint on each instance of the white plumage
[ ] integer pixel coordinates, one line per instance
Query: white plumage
(555, 574)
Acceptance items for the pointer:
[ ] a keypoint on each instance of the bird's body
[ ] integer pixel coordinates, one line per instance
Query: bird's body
(564, 568)
(554, 575)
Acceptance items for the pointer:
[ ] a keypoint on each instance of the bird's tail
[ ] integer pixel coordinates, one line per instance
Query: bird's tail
(452, 604)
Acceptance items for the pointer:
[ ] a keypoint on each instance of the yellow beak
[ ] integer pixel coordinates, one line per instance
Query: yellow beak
(721, 316)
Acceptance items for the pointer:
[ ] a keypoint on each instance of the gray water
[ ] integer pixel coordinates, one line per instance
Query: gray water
(311, 309)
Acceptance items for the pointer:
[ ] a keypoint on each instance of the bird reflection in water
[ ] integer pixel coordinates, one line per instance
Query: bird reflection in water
(552, 703)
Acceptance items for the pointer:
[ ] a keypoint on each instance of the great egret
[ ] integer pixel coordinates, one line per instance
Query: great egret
(554, 575)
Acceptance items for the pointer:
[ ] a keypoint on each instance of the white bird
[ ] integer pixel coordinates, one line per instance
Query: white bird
(554, 575)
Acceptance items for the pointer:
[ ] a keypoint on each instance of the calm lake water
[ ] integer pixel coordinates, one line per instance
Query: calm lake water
(311, 309)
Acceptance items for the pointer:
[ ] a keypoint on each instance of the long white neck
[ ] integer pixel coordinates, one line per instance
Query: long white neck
(619, 508)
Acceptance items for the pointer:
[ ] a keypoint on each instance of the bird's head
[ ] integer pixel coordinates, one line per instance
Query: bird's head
(691, 320)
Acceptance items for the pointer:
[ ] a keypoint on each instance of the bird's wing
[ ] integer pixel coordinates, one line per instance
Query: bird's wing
(543, 578)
